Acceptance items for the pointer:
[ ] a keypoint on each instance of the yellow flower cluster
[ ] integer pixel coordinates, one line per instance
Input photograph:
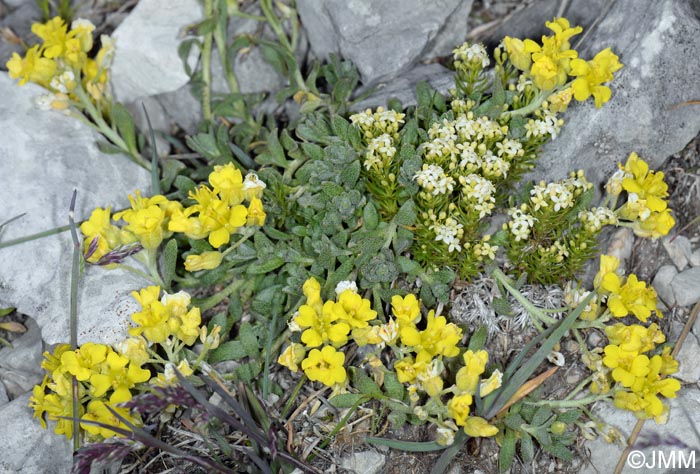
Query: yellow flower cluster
(166, 316)
(61, 63)
(105, 377)
(219, 212)
(637, 377)
(420, 347)
(646, 208)
(551, 65)
(109, 376)
(624, 295)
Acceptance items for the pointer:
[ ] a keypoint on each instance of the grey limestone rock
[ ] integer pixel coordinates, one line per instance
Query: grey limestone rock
(384, 38)
(20, 365)
(662, 284)
(46, 156)
(27, 447)
(686, 286)
(678, 248)
(364, 462)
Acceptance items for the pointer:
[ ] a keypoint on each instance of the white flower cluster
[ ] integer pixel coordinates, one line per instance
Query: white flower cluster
(450, 233)
(433, 179)
(494, 166)
(379, 150)
(345, 285)
(484, 249)
(480, 192)
(559, 195)
(472, 54)
(597, 218)
(547, 125)
(374, 124)
(556, 250)
(520, 223)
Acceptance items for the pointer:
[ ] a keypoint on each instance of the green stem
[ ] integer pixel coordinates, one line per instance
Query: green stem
(247, 233)
(534, 311)
(74, 278)
(135, 271)
(217, 298)
(108, 131)
(152, 265)
(532, 106)
(579, 387)
(571, 403)
(293, 397)
(29, 238)
(206, 63)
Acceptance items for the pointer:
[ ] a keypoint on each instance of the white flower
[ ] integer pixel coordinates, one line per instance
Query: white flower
(493, 166)
(389, 332)
(470, 160)
(475, 54)
(479, 190)
(449, 233)
(364, 119)
(82, 23)
(510, 148)
(433, 179)
(345, 285)
(252, 185)
(64, 82)
(520, 224)
(614, 184)
(445, 436)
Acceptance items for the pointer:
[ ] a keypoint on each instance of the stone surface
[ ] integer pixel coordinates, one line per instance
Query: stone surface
(620, 245)
(604, 456)
(403, 87)
(695, 258)
(146, 61)
(689, 355)
(20, 365)
(27, 447)
(660, 72)
(678, 248)
(4, 397)
(365, 462)
(662, 284)
(46, 156)
(18, 18)
(686, 286)
(384, 38)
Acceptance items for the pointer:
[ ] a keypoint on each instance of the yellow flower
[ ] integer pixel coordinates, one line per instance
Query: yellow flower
(116, 376)
(458, 408)
(152, 320)
(367, 335)
(183, 322)
(559, 102)
(325, 366)
(429, 374)
(474, 365)
(405, 309)
(627, 366)
(256, 213)
(492, 383)
(656, 225)
(517, 54)
(590, 75)
(292, 356)
(204, 261)
(476, 427)
(608, 265)
(97, 411)
(54, 33)
(168, 377)
(648, 185)
(85, 360)
(312, 291)
(632, 297)
(322, 328)
(135, 349)
(52, 362)
(228, 182)
(32, 67)
(354, 309)
(546, 75)
(438, 337)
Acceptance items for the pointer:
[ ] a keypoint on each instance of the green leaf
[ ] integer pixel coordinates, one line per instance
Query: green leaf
(410, 446)
(6, 311)
(265, 267)
(205, 144)
(169, 261)
(170, 170)
(392, 386)
(365, 384)
(407, 214)
(249, 340)
(350, 174)
(274, 155)
(514, 421)
(370, 216)
(229, 350)
(397, 419)
(109, 148)
(396, 406)
(505, 456)
(542, 414)
(220, 319)
(559, 451)
(527, 447)
(125, 125)
(348, 400)
(502, 306)
(569, 416)
(184, 185)
(408, 266)
(478, 339)
(541, 434)
(340, 126)
(248, 371)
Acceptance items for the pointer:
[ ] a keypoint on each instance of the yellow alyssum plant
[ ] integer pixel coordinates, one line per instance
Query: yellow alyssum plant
(108, 376)
(417, 348)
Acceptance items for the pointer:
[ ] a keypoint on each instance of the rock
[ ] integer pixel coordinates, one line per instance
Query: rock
(27, 447)
(20, 365)
(620, 245)
(365, 462)
(662, 284)
(4, 398)
(686, 286)
(660, 72)
(47, 155)
(18, 18)
(688, 356)
(403, 87)
(383, 39)
(678, 249)
(146, 61)
(678, 430)
(695, 258)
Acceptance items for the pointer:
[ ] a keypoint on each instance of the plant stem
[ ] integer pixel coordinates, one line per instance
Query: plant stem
(217, 298)
(531, 107)
(536, 314)
(571, 403)
(74, 277)
(206, 63)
